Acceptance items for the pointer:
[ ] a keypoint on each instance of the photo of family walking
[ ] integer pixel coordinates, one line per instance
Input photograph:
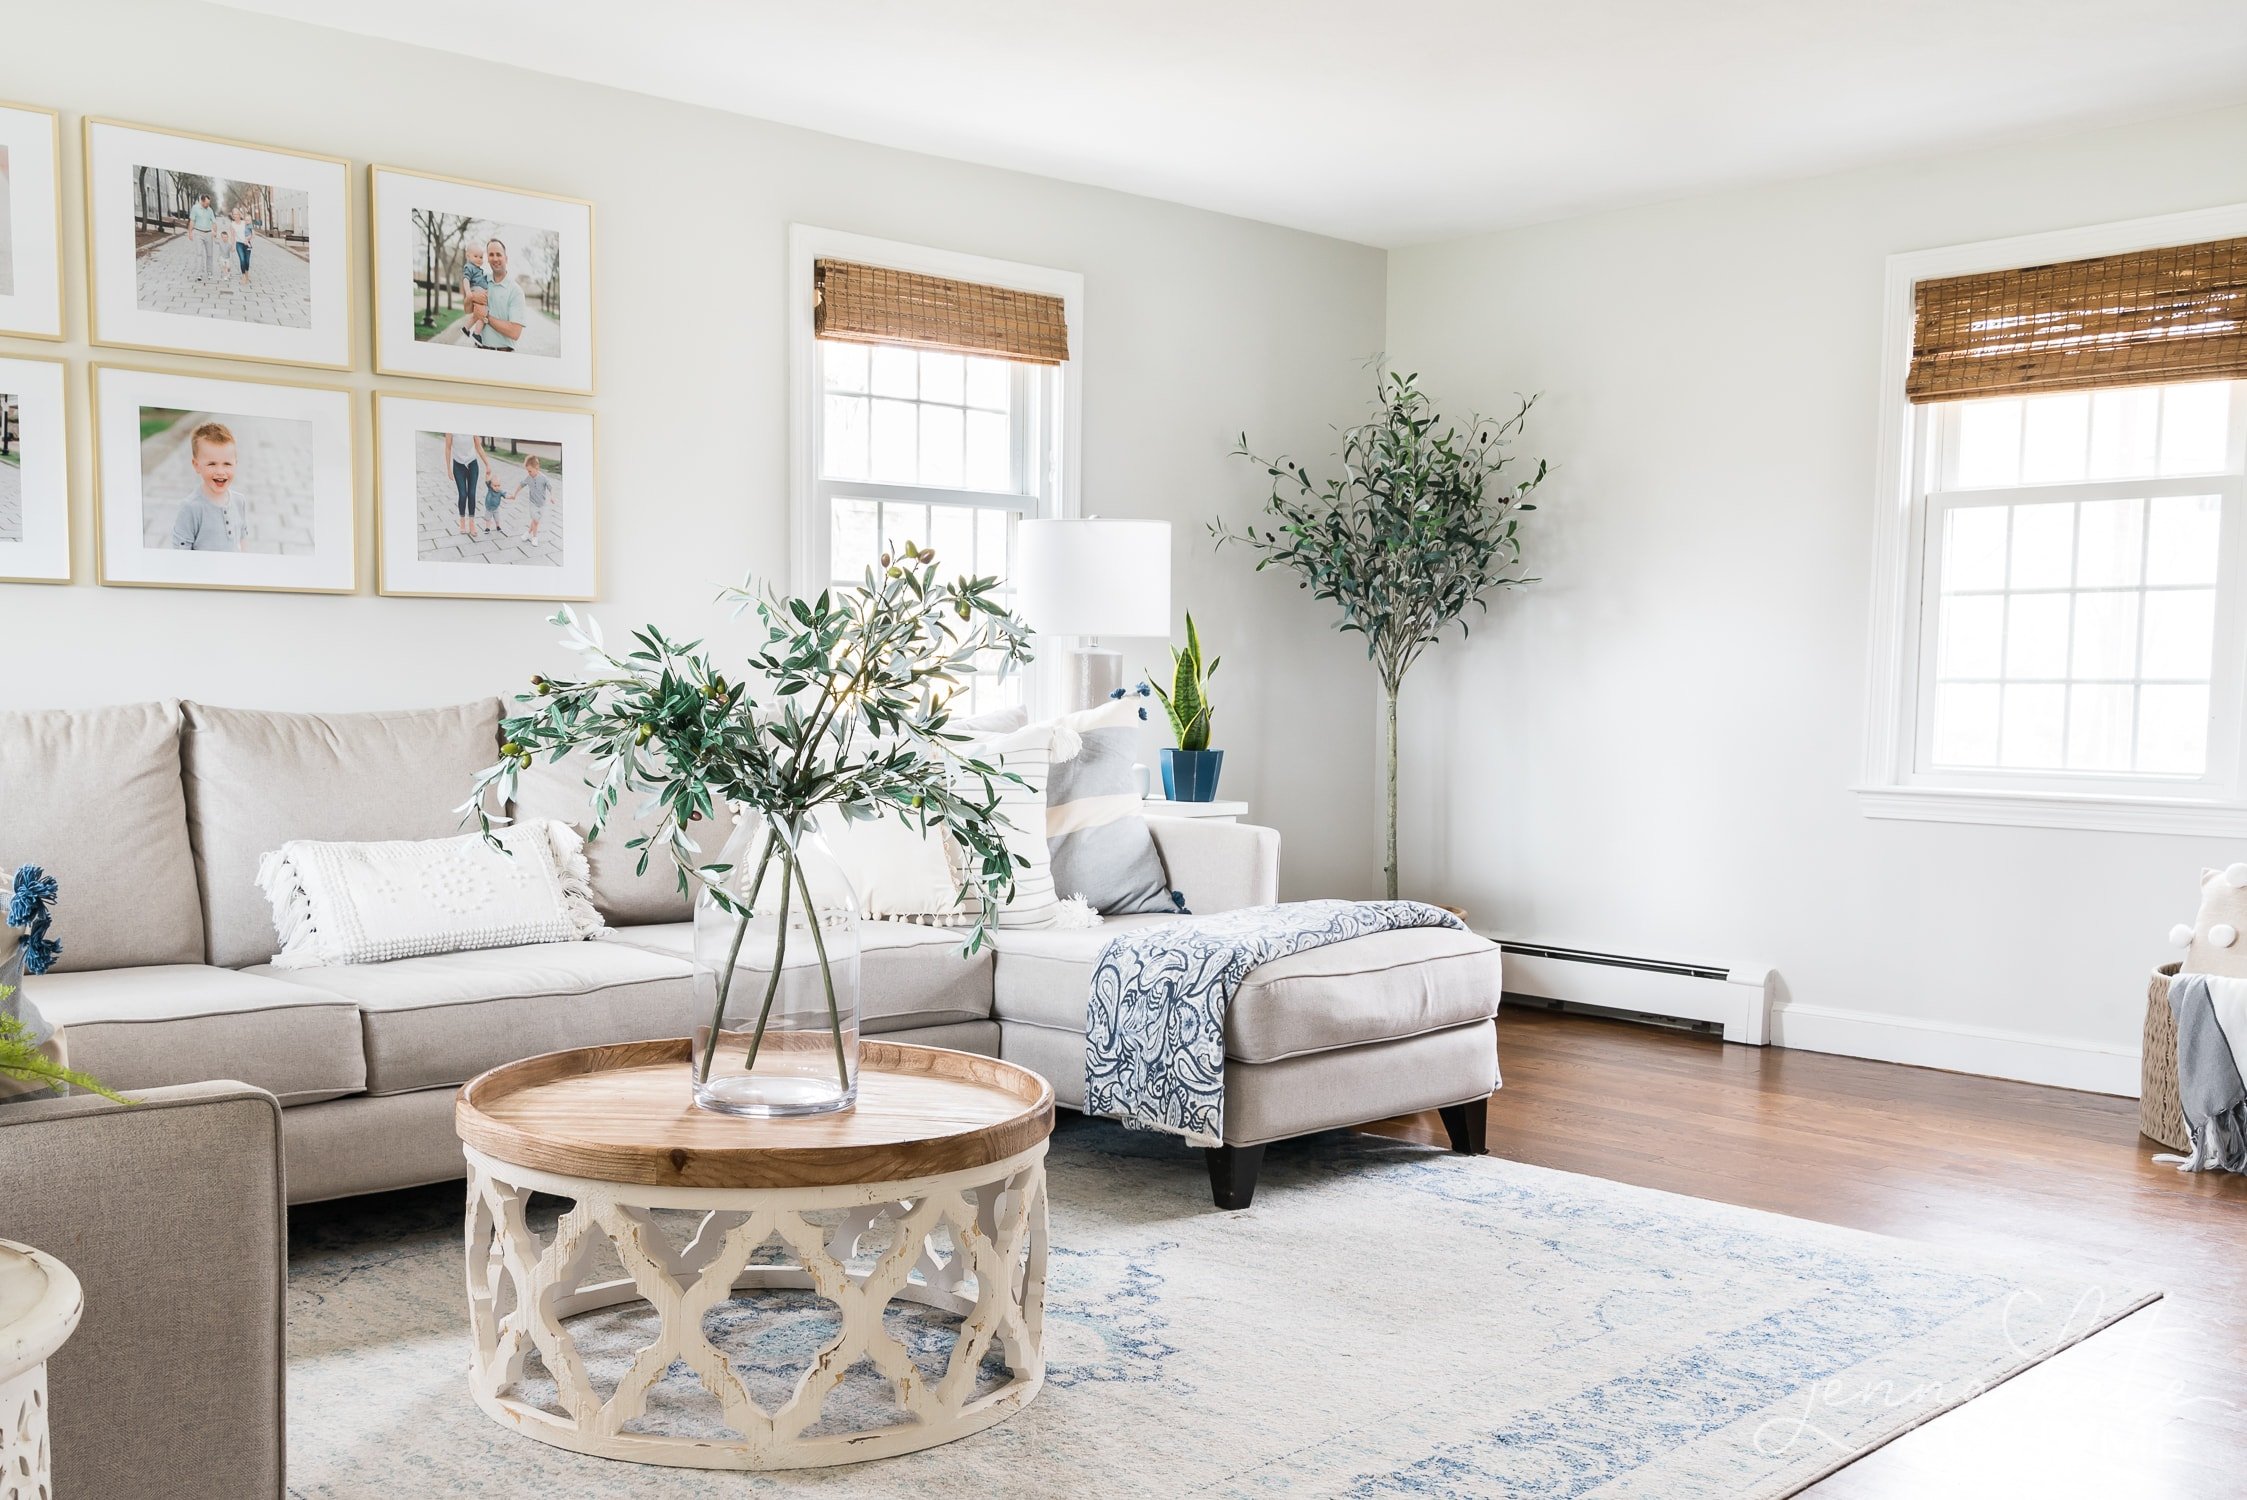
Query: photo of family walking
(493, 500)
(208, 247)
(215, 481)
(34, 501)
(479, 500)
(483, 284)
(207, 482)
(11, 467)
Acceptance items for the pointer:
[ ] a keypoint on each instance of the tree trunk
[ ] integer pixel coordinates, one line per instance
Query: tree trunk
(1389, 866)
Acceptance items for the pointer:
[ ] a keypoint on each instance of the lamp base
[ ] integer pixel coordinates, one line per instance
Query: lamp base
(1093, 677)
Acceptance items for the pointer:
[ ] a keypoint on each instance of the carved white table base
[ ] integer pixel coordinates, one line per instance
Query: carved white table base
(522, 1289)
(39, 1307)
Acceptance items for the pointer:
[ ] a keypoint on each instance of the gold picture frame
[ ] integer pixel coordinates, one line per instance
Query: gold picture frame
(343, 508)
(223, 338)
(389, 532)
(399, 354)
(66, 543)
(54, 303)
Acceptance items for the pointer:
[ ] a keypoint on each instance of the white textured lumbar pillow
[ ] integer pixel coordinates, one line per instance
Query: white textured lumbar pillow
(339, 903)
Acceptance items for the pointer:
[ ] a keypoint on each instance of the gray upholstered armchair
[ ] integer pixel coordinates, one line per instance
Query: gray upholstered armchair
(172, 1216)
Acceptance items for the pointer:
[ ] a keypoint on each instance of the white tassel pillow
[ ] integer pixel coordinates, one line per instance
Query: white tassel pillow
(339, 903)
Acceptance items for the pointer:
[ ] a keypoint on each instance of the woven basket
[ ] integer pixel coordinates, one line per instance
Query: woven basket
(2161, 1114)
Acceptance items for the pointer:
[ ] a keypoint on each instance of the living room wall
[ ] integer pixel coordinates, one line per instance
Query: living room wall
(1652, 750)
(1197, 326)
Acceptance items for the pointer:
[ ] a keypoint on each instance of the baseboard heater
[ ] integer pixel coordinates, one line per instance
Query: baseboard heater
(1737, 999)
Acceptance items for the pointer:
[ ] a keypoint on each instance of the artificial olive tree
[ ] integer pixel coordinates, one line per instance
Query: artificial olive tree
(1419, 527)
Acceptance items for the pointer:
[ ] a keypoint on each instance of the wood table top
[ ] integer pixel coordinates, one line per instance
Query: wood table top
(626, 1114)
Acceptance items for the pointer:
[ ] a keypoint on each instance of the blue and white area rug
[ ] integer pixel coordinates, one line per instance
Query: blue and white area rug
(1387, 1320)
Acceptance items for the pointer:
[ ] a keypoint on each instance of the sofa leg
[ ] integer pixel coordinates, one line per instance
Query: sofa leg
(1467, 1124)
(1232, 1173)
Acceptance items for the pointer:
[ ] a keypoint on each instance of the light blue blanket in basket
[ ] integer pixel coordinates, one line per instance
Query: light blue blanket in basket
(1155, 1022)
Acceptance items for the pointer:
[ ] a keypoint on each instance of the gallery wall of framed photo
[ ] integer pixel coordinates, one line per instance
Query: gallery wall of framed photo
(234, 461)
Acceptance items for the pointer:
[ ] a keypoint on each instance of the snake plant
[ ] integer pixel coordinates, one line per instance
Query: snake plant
(1186, 700)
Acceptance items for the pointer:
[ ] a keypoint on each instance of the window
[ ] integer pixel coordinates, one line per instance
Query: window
(901, 441)
(2061, 617)
(2074, 567)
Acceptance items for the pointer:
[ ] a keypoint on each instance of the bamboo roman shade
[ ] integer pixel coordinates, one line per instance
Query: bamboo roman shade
(2178, 313)
(875, 305)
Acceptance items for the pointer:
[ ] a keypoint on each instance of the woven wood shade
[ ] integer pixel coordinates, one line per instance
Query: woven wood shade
(2178, 313)
(875, 305)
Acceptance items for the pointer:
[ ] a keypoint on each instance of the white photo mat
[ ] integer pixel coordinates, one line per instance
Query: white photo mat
(400, 501)
(35, 489)
(121, 515)
(399, 256)
(113, 149)
(31, 289)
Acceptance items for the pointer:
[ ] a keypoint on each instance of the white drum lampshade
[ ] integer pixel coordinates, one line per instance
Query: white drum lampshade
(1090, 578)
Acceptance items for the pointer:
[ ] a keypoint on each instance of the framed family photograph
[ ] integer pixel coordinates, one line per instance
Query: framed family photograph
(30, 222)
(207, 246)
(484, 284)
(209, 482)
(34, 483)
(476, 500)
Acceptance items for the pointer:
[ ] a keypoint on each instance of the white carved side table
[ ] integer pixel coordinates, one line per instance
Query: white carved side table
(929, 1193)
(39, 1307)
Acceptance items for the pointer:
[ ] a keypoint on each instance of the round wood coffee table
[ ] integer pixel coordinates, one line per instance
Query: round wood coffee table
(930, 1191)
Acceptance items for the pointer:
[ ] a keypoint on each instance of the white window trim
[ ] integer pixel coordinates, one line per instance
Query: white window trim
(1894, 653)
(808, 244)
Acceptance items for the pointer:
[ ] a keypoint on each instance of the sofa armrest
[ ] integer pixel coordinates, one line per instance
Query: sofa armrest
(1220, 866)
(172, 1216)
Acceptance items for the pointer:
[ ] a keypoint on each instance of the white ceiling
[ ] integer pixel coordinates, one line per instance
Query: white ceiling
(1389, 124)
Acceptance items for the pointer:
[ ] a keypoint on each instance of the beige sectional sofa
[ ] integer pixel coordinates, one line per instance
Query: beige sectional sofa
(154, 816)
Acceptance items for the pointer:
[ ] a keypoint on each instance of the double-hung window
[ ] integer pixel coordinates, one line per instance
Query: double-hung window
(2068, 644)
(934, 399)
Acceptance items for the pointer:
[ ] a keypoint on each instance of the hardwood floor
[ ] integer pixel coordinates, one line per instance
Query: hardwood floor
(2154, 1407)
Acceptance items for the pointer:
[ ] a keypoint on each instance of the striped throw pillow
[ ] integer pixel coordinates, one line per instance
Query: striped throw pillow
(1030, 753)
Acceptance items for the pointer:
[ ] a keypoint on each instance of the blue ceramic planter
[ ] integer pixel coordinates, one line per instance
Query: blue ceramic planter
(1191, 775)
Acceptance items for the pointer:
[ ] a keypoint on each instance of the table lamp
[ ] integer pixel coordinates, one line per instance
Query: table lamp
(1089, 578)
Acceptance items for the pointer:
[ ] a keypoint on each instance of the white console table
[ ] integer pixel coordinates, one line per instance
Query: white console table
(1222, 812)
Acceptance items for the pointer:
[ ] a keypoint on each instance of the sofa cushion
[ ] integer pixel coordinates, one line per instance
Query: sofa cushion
(93, 795)
(147, 1027)
(436, 1021)
(908, 975)
(1368, 989)
(256, 780)
(563, 790)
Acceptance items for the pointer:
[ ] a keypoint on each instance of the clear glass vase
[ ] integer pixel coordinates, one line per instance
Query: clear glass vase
(777, 976)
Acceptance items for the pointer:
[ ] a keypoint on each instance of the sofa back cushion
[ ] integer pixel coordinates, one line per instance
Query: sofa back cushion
(563, 790)
(256, 780)
(93, 795)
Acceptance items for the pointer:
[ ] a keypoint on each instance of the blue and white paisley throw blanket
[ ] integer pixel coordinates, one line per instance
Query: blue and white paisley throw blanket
(1154, 1053)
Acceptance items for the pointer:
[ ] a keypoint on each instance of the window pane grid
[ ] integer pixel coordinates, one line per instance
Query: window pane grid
(2076, 635)
(2079, 437)
(910, 416)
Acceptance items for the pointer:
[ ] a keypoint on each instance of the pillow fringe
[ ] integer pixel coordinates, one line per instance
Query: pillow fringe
(298, 934)
(576, 875)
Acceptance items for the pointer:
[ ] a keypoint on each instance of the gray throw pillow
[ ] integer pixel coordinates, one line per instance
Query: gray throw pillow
(1100, 844)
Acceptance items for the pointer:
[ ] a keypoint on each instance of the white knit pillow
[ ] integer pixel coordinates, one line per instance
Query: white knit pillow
(899, 873)
(368, 903)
